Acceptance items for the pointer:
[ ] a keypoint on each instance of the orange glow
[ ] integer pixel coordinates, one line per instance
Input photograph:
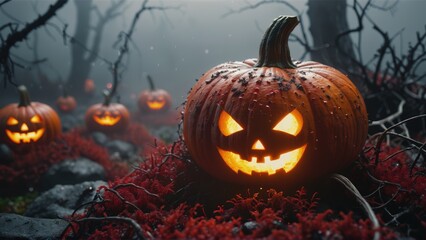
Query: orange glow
(12, 121)
(35, 119)
(227, 125)
(258, 146)
(107, 119)
(292, 123)
(156, 105)
(24, 136)
(286, 161)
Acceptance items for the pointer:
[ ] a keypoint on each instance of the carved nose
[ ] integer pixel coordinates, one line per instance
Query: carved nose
(258, 146)
(24, 127)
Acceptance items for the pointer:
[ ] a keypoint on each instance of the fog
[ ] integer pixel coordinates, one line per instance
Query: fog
(176, 46)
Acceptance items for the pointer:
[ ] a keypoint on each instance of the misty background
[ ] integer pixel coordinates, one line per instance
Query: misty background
(176, 46)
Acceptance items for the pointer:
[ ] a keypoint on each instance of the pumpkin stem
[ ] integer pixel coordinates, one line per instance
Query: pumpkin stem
(273, 50)
(107, 97)
(64, 91)
(151, 82)
(24, 98)
(361, 200)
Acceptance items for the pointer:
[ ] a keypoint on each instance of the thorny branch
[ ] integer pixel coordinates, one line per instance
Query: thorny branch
(6, 62)
(123, 49)
(411, 154)
(77, 224)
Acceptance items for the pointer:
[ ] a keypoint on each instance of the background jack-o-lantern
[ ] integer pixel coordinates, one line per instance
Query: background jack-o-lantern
(272, 119)
(26, 122)
(154, 100)
(65, 102)
(107, 117)
(89, 87)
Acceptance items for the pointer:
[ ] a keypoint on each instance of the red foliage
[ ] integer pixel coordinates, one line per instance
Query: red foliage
(393, 172)
(150, 197)
(395, 188)
(26, 170)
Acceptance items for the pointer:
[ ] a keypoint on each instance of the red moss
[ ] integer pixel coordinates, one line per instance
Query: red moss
(150, 196)
(394, 188)
(26, 170)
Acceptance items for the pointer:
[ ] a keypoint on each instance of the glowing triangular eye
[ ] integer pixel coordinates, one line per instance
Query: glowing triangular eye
(292, 123)
(35, 119)
(12, 121)
(227, 125)
(258, 146)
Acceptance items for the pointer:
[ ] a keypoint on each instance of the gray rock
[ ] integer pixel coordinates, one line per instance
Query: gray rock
(249, 226)
(6, 155)
(124, 149)
(69, 121)
(99, 138)
(72, 172)
(13, 226)
(62, 200)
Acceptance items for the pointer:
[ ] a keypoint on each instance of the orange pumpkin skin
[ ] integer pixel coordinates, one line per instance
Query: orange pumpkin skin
(257, 95)
(154, 100)
(27, 123)
(66, 104)
(107, 118)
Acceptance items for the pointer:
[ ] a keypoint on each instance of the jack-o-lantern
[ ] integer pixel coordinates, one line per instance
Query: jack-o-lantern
(89, 86)
(272, 120)
(66, 103)
(154, 100)
(26, 122)
(107, 117)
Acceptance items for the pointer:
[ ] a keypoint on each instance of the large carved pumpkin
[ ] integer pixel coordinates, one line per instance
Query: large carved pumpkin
(154, 100)
(274, 120)
(107, 117)
(25, 123)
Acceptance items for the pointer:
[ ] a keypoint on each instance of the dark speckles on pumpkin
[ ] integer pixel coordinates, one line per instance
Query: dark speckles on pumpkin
(284, 86)
(252, 75)
(243, 81)
(237, 92)
(303, 78)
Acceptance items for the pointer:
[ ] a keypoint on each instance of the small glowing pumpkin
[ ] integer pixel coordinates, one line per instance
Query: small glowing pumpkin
(154, 100)
(66, 103)
(107, 117)
(272, 120)
(89, 86)
(26, 122)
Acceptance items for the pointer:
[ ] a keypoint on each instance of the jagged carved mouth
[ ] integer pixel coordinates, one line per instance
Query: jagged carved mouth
(155, 105)
(25, 137)
(107, 120)
(286, 161)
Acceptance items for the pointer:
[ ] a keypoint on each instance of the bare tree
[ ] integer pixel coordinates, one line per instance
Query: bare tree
(18, 33)
(84, 53)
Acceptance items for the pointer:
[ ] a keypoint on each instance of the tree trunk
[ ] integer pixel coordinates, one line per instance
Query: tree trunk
(80, 67)
(328, 19)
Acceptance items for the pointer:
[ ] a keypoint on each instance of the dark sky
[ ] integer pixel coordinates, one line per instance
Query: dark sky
(177, 46)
